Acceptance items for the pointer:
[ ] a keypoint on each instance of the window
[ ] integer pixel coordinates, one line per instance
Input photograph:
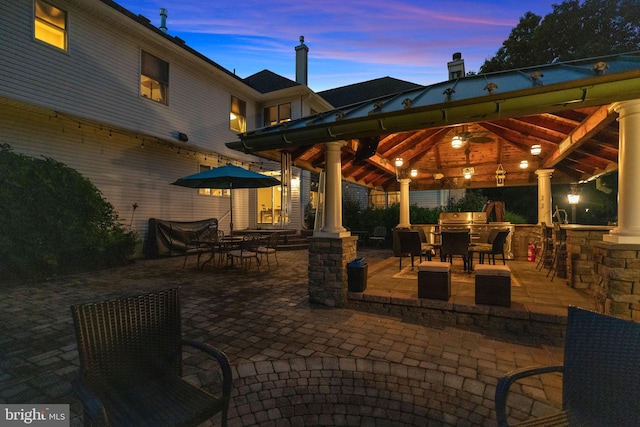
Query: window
(277, 114)
(211, 191)
(238, 115)
(50, 25)
(154, 78)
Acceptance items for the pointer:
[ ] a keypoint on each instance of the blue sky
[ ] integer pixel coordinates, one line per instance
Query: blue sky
(349, 41)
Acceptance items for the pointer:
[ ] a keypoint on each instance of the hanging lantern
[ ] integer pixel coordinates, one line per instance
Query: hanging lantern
(501, 174)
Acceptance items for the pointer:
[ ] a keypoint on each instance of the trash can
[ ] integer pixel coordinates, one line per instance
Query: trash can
(357, 275)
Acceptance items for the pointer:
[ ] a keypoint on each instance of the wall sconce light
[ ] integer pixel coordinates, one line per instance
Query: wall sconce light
(501, 174)
(536, 149)
(457, 141)
(467, 172)
(414, 173)
(524, 164)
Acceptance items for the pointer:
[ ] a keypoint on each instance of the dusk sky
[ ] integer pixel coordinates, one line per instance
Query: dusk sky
(349, 41)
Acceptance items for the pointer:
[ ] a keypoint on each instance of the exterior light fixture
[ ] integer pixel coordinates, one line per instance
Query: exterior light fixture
(456, 141)
(467, 172)
(414, 173)
(536, 149)
(501, 174)
(574, 199)
(524, 164)
(399, 162)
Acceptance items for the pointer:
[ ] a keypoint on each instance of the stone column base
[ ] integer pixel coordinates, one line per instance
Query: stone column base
(328, 260)
(617, 279)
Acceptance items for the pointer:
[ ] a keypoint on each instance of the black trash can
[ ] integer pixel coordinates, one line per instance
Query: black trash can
(357, 275)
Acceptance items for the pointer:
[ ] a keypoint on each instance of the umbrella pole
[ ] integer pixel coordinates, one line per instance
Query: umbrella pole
(231, 210)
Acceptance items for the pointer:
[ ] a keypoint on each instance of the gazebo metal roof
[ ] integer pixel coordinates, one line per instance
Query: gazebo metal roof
(563, 107)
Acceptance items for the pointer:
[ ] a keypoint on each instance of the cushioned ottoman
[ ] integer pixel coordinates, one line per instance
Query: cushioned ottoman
(434, 280)
(493, 285)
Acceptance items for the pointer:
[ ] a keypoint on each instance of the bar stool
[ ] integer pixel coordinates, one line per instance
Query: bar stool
(559, 250)
(546, 241)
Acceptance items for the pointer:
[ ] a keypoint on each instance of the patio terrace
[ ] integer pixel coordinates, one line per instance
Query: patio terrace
(294, 363)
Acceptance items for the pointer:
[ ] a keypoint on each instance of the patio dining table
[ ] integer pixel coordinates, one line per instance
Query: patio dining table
(220, 248)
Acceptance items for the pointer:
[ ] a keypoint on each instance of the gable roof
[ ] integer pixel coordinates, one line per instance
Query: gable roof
(267, 81)
(145, 22)
(358, 92)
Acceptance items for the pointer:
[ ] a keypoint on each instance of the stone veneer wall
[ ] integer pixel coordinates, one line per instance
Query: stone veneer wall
(617, 279)
(328, 258)
(580, 256)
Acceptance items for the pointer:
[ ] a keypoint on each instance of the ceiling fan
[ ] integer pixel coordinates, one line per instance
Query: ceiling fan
(464, 136)
(480, 137)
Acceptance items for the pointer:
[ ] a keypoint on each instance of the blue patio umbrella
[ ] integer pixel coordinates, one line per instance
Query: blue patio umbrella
(227, 177)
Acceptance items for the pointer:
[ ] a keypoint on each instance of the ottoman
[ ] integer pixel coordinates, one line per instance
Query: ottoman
(493, 285)
(434, 280)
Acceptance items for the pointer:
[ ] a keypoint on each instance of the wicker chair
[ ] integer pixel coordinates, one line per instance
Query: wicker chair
(600, 375)
(455, 243)
(131, 365)
(494, 246)
(411, 245)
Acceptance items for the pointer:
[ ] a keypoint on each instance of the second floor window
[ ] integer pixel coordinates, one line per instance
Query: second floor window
(277, 113)
(154, 78)
(50, 25)
(238, 115)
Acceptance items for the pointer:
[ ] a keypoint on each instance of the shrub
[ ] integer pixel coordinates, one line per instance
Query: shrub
(55, 221)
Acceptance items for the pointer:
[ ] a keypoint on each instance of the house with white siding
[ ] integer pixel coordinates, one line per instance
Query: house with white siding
(132, 108)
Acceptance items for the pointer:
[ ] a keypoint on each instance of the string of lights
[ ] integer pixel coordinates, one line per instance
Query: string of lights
(181, 149)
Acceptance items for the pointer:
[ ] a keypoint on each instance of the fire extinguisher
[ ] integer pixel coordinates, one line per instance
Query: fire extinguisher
(531, 253)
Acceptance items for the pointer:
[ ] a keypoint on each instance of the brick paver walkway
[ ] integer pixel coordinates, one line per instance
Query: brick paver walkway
(294, 364)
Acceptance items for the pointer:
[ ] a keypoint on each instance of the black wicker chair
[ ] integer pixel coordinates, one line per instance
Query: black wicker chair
(600, 375)
(131, 365)
(411, 245)
(455, 243)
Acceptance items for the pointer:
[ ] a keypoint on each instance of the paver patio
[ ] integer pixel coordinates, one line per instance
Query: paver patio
(294, 363)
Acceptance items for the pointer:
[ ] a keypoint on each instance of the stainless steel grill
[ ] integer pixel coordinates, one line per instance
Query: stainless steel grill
(461, 220)
(476, 223)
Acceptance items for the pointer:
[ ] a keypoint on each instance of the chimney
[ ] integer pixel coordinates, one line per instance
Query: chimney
(456, 67)
(302, 52)
(163, 20)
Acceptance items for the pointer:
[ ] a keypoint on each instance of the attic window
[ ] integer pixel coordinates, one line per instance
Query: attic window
(50, 25)
(238, 115)
(154, 78)
(277, 114)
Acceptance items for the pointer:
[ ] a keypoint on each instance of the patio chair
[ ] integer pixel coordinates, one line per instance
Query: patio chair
(494, 246)
(130, 352)
(600, 375)
(271, 247)
(379, 235)
(411, 245)
(198, 243)
(455, 243)
(247, 250)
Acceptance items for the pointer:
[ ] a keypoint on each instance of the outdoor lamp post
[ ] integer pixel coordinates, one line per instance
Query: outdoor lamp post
(574, 199)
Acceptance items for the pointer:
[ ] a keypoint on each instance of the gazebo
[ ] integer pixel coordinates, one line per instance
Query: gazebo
(571, 122)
